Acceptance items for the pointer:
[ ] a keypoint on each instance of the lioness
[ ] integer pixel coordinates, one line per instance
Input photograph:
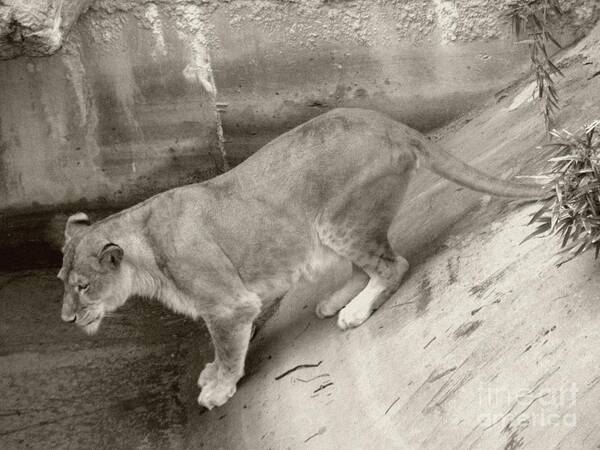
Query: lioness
(323, 193)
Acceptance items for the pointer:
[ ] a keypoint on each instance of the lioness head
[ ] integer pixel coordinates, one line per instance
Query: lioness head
(93, 274)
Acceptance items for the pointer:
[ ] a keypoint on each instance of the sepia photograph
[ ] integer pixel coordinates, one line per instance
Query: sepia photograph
(299, 224)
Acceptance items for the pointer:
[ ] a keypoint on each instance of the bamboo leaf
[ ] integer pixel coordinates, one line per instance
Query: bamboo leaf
(566, 236)
(554, 41)
(539, 230)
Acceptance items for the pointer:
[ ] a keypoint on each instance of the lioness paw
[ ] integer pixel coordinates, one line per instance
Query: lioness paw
(350, 317)
(216, 394)
(208, 375)
(324, 309)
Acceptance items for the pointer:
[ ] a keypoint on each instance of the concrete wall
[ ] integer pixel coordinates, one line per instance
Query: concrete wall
(112, 117)
(132, 102)
(425, 62)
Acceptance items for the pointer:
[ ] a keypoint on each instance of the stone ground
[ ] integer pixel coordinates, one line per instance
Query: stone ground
(486, 345)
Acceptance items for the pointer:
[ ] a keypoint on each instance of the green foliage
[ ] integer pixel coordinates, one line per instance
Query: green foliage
(531, 17)
(572, 208)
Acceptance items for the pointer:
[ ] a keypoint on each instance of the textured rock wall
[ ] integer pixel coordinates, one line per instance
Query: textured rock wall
(36, 27)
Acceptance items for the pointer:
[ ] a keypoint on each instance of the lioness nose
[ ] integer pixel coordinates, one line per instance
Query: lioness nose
(68, 317)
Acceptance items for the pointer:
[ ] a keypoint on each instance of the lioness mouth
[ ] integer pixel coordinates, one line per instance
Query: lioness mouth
(91, 327)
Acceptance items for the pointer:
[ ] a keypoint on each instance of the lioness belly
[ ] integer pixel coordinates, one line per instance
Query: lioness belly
(317, 262)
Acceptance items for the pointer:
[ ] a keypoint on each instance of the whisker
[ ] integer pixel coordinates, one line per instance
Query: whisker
(85, 316)
(113, 314)
(92, 320)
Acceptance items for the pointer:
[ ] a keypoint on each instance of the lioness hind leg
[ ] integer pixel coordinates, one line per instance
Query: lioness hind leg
(370, 251)
(355, 225)
(230, 331)
(385, 277)
(340, 298)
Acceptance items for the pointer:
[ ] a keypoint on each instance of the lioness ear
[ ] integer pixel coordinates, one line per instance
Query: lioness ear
(75, 224)
(111, 256)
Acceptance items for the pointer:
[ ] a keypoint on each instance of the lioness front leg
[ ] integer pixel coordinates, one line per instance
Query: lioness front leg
(231, 334)
(208, 374)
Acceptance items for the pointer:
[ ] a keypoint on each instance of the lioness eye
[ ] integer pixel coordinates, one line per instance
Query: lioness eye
(83, 287)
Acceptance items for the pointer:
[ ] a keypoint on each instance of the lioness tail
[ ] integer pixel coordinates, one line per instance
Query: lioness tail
(444, 164)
